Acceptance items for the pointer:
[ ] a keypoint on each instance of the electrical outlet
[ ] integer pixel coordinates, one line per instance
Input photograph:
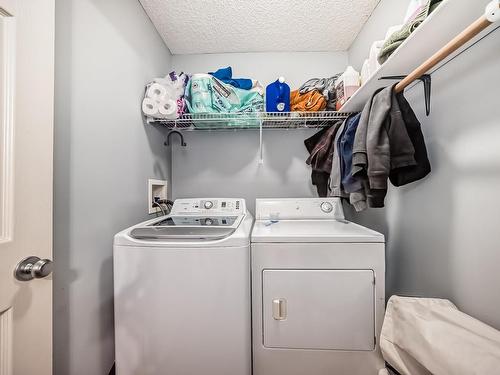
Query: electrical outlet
(156, 189)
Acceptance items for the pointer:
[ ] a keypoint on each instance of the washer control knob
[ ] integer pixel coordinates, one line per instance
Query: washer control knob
(208, 205)
(326, 207)
(208, 221)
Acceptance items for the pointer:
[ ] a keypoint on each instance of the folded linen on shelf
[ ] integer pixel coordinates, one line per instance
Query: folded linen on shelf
(226, 75)
(309, 101)
(325, 86)
(207, 94)
(398, 37)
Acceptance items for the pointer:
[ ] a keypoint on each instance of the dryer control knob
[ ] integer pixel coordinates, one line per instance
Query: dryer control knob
(208, 221)
(208, 205)
(326, 207)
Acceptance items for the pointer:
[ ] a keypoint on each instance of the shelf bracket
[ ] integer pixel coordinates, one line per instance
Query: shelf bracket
(427, 81)
(261, 151)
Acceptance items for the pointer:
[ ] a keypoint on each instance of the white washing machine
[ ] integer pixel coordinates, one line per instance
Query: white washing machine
(182, 291)
(317, 290)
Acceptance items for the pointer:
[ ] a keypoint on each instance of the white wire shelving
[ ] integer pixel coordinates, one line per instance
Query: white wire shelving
(252, 120)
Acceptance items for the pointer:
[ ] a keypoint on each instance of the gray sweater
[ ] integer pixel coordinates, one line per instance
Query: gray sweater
(381, 144)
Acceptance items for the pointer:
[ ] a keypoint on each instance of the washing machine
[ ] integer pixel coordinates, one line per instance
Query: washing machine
(182, 291)
(317, 290)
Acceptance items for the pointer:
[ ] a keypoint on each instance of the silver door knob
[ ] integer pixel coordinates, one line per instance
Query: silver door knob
(33, 268)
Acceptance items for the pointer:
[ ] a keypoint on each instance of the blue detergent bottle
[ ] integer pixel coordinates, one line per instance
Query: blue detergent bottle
(278, 96)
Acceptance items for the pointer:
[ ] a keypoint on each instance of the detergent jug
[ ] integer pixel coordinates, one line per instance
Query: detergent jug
(278, 96)
(346, 85)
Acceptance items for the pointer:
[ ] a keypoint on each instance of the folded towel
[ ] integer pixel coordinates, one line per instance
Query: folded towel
(398, 37)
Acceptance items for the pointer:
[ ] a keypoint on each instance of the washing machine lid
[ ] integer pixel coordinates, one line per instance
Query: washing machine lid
(160, 232)
(266, 231)
(208, 228)
(207, 222)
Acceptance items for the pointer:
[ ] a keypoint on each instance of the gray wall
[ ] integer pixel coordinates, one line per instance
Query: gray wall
(387, 13)
(443, 231)
(226, 163)
(105, 53)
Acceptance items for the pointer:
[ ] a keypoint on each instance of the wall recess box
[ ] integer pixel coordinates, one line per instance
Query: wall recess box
(156, 188)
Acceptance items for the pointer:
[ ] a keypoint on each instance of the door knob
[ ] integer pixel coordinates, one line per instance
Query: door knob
(33, 268)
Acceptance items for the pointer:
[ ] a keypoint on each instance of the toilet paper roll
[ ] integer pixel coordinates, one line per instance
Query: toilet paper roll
(156, 92)
(168, 109)
(150, 107)
(171, 90)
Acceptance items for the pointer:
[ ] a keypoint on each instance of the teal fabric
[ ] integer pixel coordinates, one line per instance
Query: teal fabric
(206, 94)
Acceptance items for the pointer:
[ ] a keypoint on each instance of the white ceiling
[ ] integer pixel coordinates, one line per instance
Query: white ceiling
(221, 26)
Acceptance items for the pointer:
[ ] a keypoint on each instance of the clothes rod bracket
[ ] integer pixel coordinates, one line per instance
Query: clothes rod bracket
(427, 81)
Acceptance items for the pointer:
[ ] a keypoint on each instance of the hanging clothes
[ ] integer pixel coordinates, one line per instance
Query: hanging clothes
(352, 185)
(336, 188)
(381, 144)
(384, 142)
(320, 147)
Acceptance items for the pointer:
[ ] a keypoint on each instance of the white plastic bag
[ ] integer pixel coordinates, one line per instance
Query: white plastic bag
(428, 336)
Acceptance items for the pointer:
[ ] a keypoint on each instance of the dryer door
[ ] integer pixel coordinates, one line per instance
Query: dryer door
(319, 309)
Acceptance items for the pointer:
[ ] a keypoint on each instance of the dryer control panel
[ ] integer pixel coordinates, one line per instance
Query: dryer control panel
(299, 208)
(209, 206)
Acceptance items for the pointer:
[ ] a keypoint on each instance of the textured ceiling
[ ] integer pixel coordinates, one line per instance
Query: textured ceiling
(220, 26)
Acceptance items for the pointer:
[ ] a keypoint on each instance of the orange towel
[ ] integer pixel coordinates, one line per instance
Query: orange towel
(310, 101)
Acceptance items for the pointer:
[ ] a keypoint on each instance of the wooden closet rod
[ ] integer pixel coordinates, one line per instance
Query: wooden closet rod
(492, 15)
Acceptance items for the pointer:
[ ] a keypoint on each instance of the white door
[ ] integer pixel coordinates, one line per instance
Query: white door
(26, 136)
(319, 309)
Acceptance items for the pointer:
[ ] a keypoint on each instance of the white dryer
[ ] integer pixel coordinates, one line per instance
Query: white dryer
(317, 290)
(182, 291)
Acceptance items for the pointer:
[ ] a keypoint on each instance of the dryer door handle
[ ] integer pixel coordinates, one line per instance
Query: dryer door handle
(279, 309)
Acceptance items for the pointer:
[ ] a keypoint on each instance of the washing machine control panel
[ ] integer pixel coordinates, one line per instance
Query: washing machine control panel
(212, 206)
(300, 208)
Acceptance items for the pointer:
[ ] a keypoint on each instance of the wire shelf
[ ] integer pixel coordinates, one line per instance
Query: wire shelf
(252, 120)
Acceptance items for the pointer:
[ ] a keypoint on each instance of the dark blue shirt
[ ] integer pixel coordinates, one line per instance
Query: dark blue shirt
(345, 144)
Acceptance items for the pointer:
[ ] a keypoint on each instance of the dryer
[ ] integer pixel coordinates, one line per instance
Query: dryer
(318, 284)
(182, 291)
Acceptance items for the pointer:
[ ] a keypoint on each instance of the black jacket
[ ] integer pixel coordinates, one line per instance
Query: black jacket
(411, 173)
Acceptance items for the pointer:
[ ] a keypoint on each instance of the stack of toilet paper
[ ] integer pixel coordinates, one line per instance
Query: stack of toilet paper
(164, 97)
